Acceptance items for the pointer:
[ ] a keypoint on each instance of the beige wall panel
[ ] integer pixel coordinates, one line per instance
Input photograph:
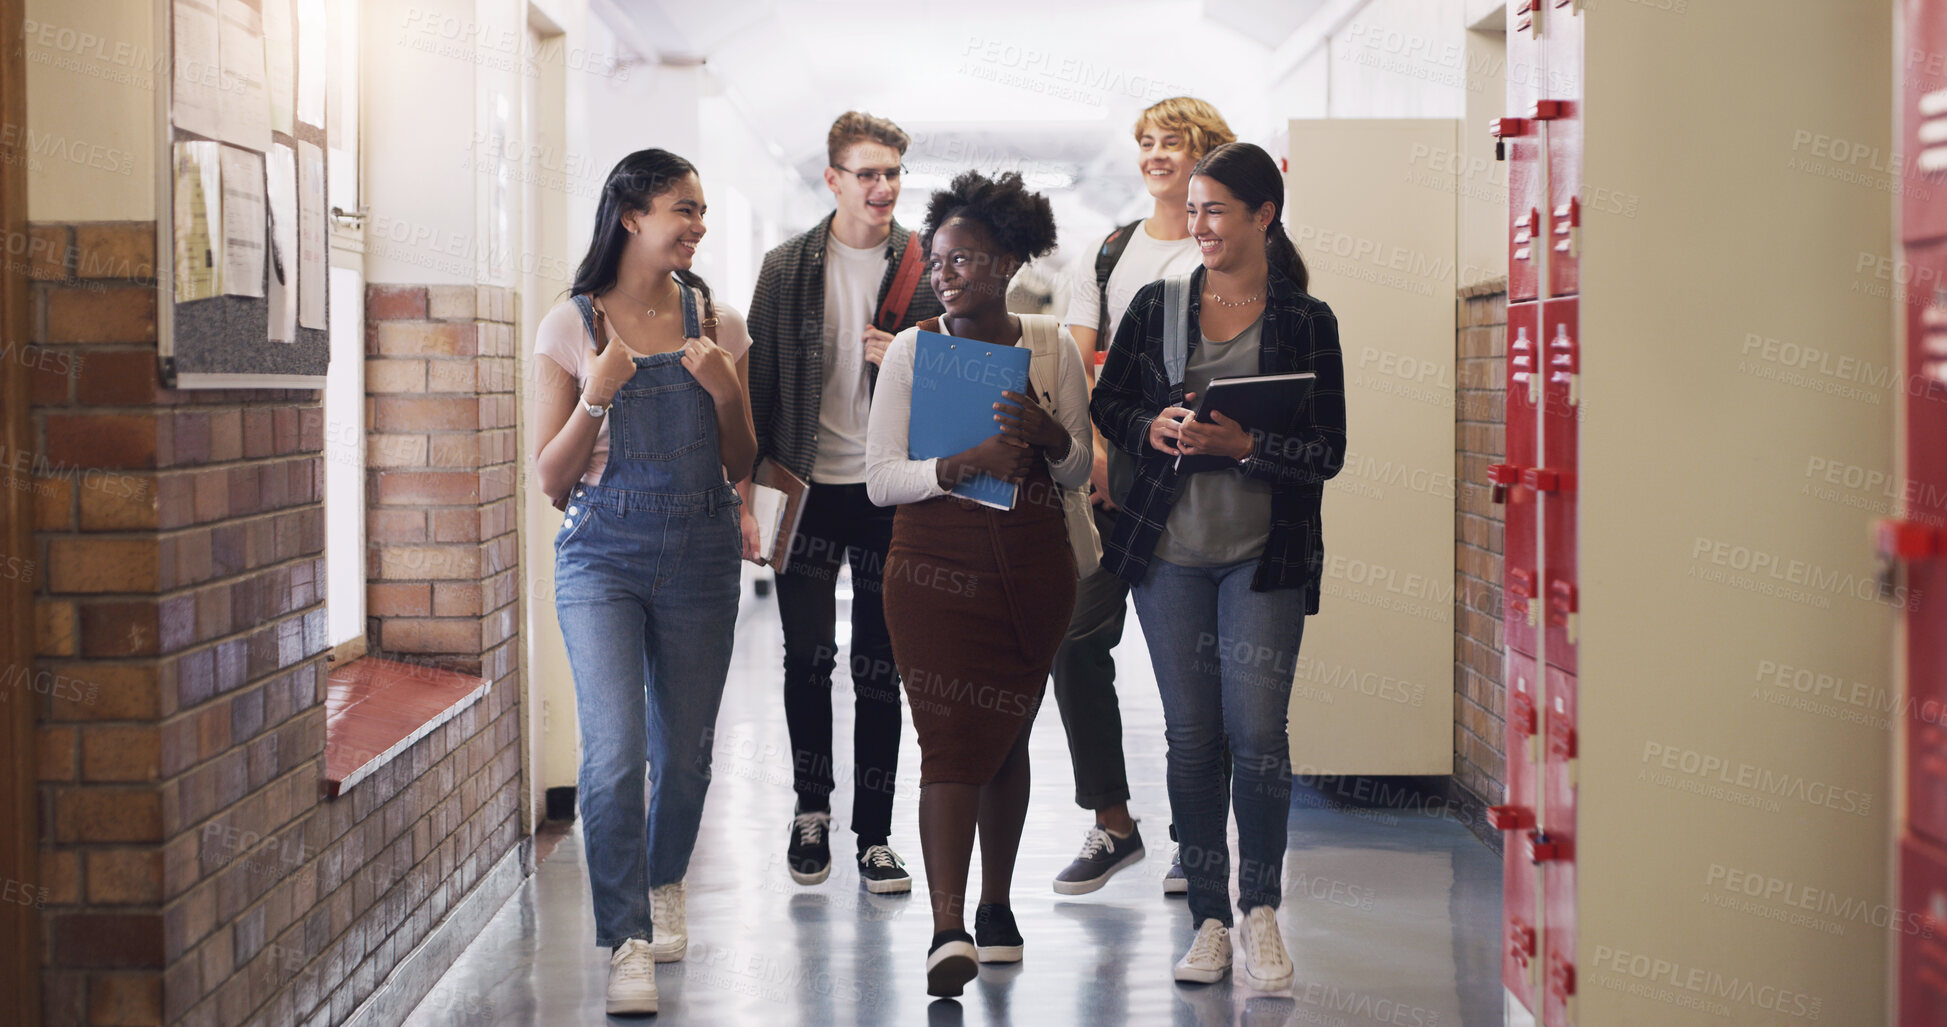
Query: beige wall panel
(92, 73)
(1374, 690)
(1480, 181)
(1737, 344)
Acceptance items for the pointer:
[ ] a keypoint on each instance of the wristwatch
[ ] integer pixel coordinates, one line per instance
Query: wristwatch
(596, 412)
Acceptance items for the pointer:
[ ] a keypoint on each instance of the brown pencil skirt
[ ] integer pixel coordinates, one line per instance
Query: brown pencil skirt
(977, 601)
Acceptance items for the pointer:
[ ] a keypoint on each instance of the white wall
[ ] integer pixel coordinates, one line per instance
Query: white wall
(1398, 59)
(419, 181)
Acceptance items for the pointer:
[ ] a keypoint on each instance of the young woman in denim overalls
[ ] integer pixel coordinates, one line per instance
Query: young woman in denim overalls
(640, 417)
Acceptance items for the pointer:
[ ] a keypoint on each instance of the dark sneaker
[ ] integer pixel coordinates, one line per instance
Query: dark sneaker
(810, 854)
(1102, 855)
(1174, 883)
(881, 870)
(950, 963)
(995, 936)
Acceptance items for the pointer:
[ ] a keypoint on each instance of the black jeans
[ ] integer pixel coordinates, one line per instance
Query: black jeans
(840, 524)
(1085, 685)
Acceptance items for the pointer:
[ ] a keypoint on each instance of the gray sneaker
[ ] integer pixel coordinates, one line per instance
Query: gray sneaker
(1174, 883)
(1102, 855)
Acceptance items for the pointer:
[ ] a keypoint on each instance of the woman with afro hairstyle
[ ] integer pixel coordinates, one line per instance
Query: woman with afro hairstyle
(977, 599)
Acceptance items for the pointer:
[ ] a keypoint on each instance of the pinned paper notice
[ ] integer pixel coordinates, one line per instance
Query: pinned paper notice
(196, 89)
(311, 51)
(245, 101)
(281, 189)
(311, 271)
(280, 65)
(198, 221)
(243, 223)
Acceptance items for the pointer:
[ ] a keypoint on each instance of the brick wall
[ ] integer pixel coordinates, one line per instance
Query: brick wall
(440, 377)
(1479, 437)
(192, 873)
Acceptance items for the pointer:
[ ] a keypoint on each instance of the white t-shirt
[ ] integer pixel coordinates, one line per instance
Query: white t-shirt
(563, 338)
(1146, 260)
(852, 279)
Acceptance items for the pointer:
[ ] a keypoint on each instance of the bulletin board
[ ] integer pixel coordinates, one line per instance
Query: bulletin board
(242, 244)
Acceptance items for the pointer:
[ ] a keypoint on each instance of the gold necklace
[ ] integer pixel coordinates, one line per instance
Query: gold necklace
(648, 310)
(1240, 303)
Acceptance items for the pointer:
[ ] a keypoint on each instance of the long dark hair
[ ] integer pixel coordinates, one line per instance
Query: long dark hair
(633, 185)
(1253, 177)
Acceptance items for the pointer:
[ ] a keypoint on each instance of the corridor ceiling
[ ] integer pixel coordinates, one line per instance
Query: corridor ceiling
(1046, 87)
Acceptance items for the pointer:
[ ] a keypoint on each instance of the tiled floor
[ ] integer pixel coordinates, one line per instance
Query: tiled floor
(1392, 917)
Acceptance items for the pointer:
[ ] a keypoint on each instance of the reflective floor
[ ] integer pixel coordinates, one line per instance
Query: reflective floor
(1392, 917)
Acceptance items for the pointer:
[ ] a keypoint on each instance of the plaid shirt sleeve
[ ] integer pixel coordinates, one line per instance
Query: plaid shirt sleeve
(1118, 406)
(1316, 452)
(762, 322)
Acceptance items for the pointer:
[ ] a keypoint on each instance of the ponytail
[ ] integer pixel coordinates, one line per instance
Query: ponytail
(1279, 251)
(1253, 177)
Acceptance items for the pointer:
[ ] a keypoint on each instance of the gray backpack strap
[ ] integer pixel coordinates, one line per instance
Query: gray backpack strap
(1176, 326)
(1043, 334)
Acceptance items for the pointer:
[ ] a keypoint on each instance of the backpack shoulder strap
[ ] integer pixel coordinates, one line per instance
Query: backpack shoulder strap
(1105, 261)
(1043, 336)
(1111, 252)
(902, 289)
(1176, 326)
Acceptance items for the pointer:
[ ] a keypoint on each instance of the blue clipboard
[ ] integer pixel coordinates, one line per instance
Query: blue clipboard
(956, 383)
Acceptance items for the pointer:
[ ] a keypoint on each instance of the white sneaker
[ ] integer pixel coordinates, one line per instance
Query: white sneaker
(631, 979)
(1266, 966)
(669, 911)
(1209, 957)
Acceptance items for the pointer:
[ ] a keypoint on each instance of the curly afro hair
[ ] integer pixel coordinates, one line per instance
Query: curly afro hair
(1022, 223)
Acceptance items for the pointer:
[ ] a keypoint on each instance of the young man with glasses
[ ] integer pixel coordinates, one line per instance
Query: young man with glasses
(827, 303)
(1170, 136)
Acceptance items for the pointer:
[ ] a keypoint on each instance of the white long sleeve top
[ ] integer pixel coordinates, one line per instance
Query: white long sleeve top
(891, 478)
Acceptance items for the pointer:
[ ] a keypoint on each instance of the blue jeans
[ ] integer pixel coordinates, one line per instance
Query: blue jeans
(1224, 658)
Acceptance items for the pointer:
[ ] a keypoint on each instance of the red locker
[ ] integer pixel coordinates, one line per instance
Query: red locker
(1520, 145)
(1516, 482)
(1556, 857)
(1521, 958)
(1926, 702)
(1560, 111)
(1914, 536)
(1923, 935)
(1561, 412)
(1918, 537)
(1923, 132)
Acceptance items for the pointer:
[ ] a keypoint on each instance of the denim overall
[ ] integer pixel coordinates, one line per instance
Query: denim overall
(646, 587)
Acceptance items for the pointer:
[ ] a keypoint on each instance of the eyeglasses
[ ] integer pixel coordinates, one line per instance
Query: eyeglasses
(869, 177)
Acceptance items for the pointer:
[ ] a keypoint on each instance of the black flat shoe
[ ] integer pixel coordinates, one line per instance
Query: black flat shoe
(997, 939)
(950, 963)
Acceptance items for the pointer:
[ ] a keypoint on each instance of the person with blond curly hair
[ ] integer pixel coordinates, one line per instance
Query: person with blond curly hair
(1170, 138)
